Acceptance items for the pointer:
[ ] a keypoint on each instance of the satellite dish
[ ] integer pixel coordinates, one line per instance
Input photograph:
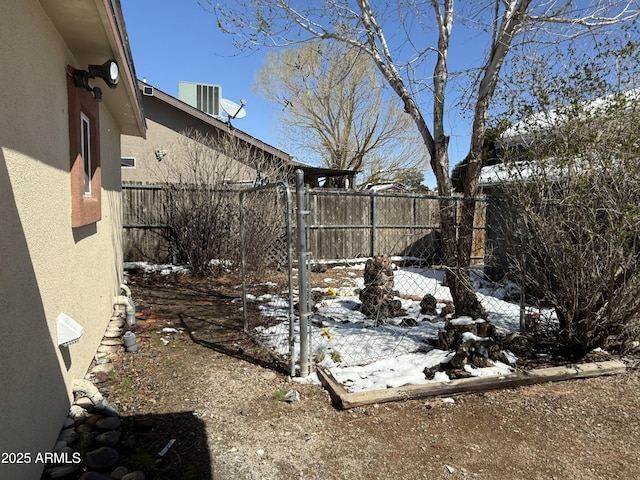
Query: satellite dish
(232, 109)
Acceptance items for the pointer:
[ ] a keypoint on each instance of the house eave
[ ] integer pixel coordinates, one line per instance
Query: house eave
(94, 31)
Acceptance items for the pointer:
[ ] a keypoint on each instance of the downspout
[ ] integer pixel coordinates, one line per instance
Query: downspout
(127, 302)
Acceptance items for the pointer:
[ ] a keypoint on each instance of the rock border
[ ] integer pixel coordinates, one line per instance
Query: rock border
(91, 430)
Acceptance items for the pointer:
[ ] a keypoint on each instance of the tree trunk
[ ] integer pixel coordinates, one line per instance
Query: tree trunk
(465, 299)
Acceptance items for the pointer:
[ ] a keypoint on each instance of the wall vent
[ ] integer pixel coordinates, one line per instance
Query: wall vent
(147, 90)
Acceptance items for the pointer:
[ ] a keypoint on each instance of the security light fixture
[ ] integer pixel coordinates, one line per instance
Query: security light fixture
(108, 71)
(160, 154)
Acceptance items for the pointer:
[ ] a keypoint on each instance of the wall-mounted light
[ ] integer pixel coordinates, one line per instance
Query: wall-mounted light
(160, 154)
(108, 71)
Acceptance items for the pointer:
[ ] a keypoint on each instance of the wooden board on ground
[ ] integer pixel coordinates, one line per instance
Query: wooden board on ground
(343, 399)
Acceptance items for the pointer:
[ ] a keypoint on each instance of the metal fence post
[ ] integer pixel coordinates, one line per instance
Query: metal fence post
(372, 218)
(243, 265)
(303, 257)
(279, 187)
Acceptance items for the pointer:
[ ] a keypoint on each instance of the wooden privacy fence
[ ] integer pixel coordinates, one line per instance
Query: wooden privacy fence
(343, 224)
(348, 224)
(144, 223)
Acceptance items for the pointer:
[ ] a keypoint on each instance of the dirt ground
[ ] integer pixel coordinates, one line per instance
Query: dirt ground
(218, 395)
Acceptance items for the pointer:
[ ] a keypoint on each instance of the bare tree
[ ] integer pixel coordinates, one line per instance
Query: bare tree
(422, 30)
(333, 107)
(201, 179)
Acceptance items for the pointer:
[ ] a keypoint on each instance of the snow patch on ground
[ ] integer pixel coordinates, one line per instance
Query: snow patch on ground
(363, 355)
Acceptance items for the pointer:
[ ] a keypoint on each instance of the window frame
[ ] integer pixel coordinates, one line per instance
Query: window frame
(86, 186)
(85, 151)
(133, 162)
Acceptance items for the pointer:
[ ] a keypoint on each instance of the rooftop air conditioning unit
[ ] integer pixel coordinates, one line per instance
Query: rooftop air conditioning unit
(205, 98)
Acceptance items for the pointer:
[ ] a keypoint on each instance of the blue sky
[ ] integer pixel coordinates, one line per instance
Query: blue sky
(173, 40)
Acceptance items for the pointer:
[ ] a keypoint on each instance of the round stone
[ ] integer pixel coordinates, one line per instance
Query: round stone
(93, 419)
(101, 458)
(68, 435)
(62, 471)
(116, 322)
(60, 444)
(113, 333)
(110, 438)
(110, 348)
(119, 472)
(104, 368)
(100, 377)
(108, 423)
(138, 475)
(93, 476)
(84, 428)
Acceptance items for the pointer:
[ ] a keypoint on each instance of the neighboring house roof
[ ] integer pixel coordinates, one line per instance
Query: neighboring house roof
(525, 131)
(534, 127)
(309, 170)
(95, 31)
(499, 174)
(388, 187)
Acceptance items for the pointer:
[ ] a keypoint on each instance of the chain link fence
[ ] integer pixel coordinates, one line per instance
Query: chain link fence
(378, 287)
(267, 265)
(349, 323)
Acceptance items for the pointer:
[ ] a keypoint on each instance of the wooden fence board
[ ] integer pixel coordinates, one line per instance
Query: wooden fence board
(345, 400)
(343, 224)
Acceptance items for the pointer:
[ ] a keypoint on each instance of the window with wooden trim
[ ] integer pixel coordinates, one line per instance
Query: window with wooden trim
(84, 149)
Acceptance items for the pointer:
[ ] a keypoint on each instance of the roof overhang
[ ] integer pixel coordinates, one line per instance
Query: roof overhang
(323, 171)
(94, 31)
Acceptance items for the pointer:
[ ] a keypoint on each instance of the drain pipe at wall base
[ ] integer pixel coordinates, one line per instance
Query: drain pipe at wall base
(127, 302)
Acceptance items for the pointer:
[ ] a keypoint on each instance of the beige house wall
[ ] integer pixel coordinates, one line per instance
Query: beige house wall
(47, 266)
(166, 125)
(167, 117)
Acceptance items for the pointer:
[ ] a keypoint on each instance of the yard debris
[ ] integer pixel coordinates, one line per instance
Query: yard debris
(325, 333)
(292, 396)
(474, 344)
(166, 448)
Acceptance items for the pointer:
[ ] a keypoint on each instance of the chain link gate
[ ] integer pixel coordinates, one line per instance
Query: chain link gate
(275, 312)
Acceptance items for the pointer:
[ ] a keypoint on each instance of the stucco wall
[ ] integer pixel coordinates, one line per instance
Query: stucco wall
(47, 267)
(165, 124)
